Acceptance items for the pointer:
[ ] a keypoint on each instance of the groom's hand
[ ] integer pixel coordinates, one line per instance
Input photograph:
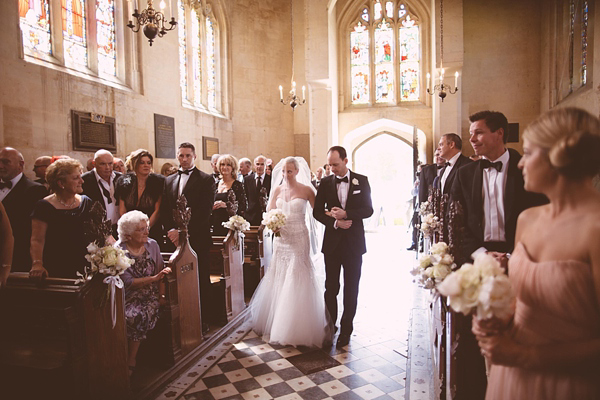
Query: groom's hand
(338, 213)
(344, 223)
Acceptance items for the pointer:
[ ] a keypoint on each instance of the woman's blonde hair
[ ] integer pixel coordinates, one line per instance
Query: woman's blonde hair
(228, 159)
(133, 159)
(572, 138)
(59, 170)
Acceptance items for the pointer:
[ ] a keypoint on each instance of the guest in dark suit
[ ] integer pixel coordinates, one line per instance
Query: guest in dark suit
(199, 189)
(318, 176)
(253, 184)
(99, 185)
(215, 170)
(39, 169)
(18, 195)
(245, 166)
(227, 185)
(428, 174)
(343, 200)
(450, 147)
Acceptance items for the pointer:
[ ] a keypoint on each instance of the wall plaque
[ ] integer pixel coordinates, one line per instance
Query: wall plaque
(164, 136)
(210, 146)
(93, 132)
(513, 132)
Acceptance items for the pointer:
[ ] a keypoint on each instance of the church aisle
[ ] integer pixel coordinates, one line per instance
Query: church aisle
(372, 366)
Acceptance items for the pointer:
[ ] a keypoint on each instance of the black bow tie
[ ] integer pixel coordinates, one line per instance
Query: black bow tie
(6, 185)
(443, 165)
(186, 172)
(488, 164)
(340, 180)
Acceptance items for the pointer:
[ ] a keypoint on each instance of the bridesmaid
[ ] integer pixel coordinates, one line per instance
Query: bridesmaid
(551, 348)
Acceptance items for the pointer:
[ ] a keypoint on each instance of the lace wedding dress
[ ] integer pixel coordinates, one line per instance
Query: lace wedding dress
(288, 306)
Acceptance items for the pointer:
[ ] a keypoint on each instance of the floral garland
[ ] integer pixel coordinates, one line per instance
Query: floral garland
(430, 224)
(434, 267)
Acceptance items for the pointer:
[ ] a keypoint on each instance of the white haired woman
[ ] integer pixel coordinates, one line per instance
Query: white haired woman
(144, 288)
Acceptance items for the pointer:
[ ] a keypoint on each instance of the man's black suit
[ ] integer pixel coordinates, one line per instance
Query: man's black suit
(19, 205)
(343, 246)
(254, 210)
(91, 187)
(460, 162)
(426, 177)
(200, 194)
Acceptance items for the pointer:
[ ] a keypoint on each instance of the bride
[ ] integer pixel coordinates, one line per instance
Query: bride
(288, 306)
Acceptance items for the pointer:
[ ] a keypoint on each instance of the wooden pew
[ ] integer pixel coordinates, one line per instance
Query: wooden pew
(227, 277)
(58, 340)
(253, 269)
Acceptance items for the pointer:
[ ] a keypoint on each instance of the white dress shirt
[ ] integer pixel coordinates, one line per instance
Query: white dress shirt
(112, 211)
(447, 170)
(183, 179)
(342, 189)
(5, 191)
(494, 184)
(262, 179)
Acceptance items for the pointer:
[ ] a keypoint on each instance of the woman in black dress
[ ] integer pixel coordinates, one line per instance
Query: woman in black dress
(141, 190)
(226, 188)
(58, 242)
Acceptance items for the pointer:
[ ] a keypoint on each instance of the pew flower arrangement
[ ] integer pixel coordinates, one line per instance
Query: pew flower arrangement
(274, 220)
(482, 288)
(434, 267)
(238, 225)
(429, 225)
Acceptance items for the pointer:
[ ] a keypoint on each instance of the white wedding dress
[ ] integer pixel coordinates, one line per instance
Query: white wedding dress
(288, 307)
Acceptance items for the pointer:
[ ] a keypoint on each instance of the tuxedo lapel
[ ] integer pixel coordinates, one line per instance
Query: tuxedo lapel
(477, 195)
(349, 196)
(194, 176)
(512, 180)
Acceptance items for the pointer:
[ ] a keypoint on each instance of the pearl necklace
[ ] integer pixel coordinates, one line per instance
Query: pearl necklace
(68, 205)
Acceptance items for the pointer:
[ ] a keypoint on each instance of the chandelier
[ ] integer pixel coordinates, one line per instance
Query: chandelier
(292, 99)
(152, 21)
(442, 88)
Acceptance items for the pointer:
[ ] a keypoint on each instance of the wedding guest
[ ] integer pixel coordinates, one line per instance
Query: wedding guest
(119, 165)
(428, 174)
(18, 196)
(327, 169)
(450, 146)
(39, 169)
(168, 169)
(89, 164)
(228, 166)
(318, 176)
(99, 185)
(144, 287)
(141, 190)
(269, 166)
(215, 170)
(58, 242)
(6, 246)
(550, 349)
(245, 166)
(254, 184)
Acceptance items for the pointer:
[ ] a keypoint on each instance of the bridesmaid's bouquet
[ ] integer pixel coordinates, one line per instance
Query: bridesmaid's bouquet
(274, 220)
(434, 267)
(482, 288)
(237, 223)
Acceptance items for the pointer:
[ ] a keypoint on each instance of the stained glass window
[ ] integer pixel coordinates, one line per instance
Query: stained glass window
(409, 62)
(401, 11)
(584, 41)
(211, 78)
(377, 10)
(105, 33)
(35, 25)
(389, 9)
(365, 15)
(196, 58)
(74, 32)
(384, 72)
(359, 55)
(183, 82)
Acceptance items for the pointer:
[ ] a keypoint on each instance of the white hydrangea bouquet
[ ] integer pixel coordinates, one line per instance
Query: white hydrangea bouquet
(274, 220)
(111, 262)
(482, 288)
(434, 267)
(237, 223)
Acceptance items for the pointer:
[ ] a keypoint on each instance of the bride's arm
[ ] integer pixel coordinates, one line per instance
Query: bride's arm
(273, 199)
(311, 196)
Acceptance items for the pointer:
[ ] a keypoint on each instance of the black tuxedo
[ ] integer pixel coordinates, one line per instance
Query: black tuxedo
(19, 203)
(426, 177)
(200, 194)
(91, 187)
(467, 188)
(254, 210)
(460, 162)
(343, 246)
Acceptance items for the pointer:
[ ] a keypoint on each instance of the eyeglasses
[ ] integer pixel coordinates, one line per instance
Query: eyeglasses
(144, 229)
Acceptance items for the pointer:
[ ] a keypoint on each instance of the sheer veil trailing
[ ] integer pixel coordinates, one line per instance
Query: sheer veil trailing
(303, 177)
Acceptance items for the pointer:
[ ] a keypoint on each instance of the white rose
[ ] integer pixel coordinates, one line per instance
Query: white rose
(439, 248)
(92, 247)
(496, 298)
(440, 271)
(447, 259)
(488, 265)
(451, 285)
(110, 258)
(425, 262)
(470, 297)
(469, 275)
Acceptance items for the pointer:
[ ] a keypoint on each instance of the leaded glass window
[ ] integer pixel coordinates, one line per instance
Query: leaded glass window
(183, 80)
(584, 41)
(196, 58)
(211, 67)
(34, 19)
(105, 32)
(360, 64)
(384, 69)
(74, 32)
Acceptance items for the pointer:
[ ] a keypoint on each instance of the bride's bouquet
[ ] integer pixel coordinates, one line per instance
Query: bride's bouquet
(237, 223)
(434, 267)
(482, 288)
(274, 220)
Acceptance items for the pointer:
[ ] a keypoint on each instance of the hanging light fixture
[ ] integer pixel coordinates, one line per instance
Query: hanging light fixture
(152, 21)
(292, 99)
(442, 88)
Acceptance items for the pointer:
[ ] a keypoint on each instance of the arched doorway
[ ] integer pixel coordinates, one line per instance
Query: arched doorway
(387, 160)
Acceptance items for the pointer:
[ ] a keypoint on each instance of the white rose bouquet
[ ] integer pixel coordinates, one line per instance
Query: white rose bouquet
(434, 267)
(429, 225)
(237, 223)
(481, 287)
(274, 220)
(424, 209)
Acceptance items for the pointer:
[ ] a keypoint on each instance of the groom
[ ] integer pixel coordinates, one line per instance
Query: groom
(343, 201)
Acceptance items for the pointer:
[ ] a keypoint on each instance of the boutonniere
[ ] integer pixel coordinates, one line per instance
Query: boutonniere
(355, 182)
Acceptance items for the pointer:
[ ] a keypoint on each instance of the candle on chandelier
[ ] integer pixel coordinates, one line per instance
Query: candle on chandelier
(280, 92)
(456, 79)
(135, 5)
(442, 76)
(428, 78)
(303, 92)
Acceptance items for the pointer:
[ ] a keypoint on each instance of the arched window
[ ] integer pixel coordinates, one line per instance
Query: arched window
(385, 54)
(199, 56)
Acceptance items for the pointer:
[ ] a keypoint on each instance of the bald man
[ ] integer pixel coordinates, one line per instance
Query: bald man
(39, 168)
(18, 196)
(99, 185)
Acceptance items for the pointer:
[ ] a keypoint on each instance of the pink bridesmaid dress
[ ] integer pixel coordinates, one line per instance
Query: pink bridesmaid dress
(556, 303)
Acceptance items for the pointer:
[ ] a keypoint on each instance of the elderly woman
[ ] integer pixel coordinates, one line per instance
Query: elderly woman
(58, 243)
(228, 166)
(141, 190)
(6, 246)
(143, 285)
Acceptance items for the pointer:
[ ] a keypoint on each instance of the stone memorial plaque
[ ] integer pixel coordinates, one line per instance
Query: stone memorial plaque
(164, 136)
(210, 146)
(93, 132)
(513, 132)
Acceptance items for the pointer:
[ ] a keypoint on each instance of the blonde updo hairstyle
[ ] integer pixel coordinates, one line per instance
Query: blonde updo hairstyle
(134, 158)
(59, 170)
(572, 138)
(228, 159)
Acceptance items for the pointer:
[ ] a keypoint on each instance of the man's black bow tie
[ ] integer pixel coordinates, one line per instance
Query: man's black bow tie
(488, 164)
(6, 185)
(340, 180)
(186, 172)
